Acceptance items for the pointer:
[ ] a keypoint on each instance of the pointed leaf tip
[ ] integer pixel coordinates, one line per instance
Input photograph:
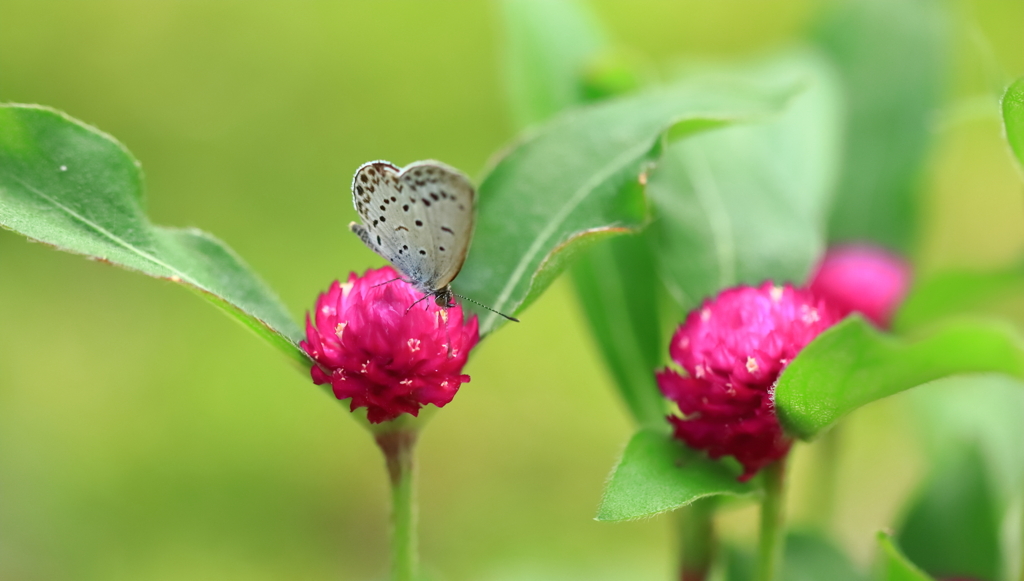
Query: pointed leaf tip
(71, 186)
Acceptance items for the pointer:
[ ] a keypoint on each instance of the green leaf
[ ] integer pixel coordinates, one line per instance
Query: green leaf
(1013, 118)
(568, 181)
(984, 413)
(747, 203)
(952, 526)
(894, 566)
(983, 410)
(810, 556)
(617, 285)
(738, 564)
(892, 56)
(853, 364)
(557, 57)
(549, 47)
(958, 292)
(658, 474)
(764, 174)
(70, 186)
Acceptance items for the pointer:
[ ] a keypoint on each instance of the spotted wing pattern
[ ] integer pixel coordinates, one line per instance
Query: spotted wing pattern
(420, 218)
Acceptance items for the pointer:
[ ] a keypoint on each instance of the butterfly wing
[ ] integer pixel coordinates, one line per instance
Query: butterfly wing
(373, 183)
(444, 200)
(419, 218)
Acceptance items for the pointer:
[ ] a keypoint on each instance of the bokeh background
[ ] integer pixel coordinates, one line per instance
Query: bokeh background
(145, 436)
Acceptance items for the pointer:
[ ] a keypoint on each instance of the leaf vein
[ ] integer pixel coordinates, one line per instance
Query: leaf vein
(103, 231)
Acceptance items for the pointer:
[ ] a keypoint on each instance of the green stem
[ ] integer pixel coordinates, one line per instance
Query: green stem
(769, 554)
(398, 449)
(697, 539)
(1020, 531)
(823, 502)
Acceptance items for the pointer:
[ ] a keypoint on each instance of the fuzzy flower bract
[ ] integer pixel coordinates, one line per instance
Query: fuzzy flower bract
(376, 348)
(733, 349)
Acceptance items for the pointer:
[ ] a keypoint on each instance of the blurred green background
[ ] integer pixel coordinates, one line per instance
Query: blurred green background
(144, 435)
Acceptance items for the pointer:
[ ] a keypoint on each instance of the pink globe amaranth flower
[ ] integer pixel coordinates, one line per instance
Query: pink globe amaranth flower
(387, 357)
(733, 349)
(862, 278)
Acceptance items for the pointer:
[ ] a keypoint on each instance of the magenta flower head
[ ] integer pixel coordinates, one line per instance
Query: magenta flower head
(862, 278)
(733, 349)
(387, 357)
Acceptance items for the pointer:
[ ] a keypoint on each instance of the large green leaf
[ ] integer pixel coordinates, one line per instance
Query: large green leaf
(894, 565)
(554, 62)
(807, 556)
(749, 202)
(549, 47)
(981, 414)
(617, 285)
(77, 189)
(853, 364)
(810, 556)
(892, 56)
(983, 410)
(952, 526)
(567, 182)
(958, 292)
(657, 474)
(1013, 118)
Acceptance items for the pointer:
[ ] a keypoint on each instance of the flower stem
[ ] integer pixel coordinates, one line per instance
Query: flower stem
(823, 501)
(769, 553)
(697, 539)
(398, 449)
(1019, 517)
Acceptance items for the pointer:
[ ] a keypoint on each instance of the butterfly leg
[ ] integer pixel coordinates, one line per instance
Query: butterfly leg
(418, 301)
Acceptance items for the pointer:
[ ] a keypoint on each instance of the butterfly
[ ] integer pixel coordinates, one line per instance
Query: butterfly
(420, 218)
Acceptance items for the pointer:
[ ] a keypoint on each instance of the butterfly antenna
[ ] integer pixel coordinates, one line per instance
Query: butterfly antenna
(387, 282)
(479, 304)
